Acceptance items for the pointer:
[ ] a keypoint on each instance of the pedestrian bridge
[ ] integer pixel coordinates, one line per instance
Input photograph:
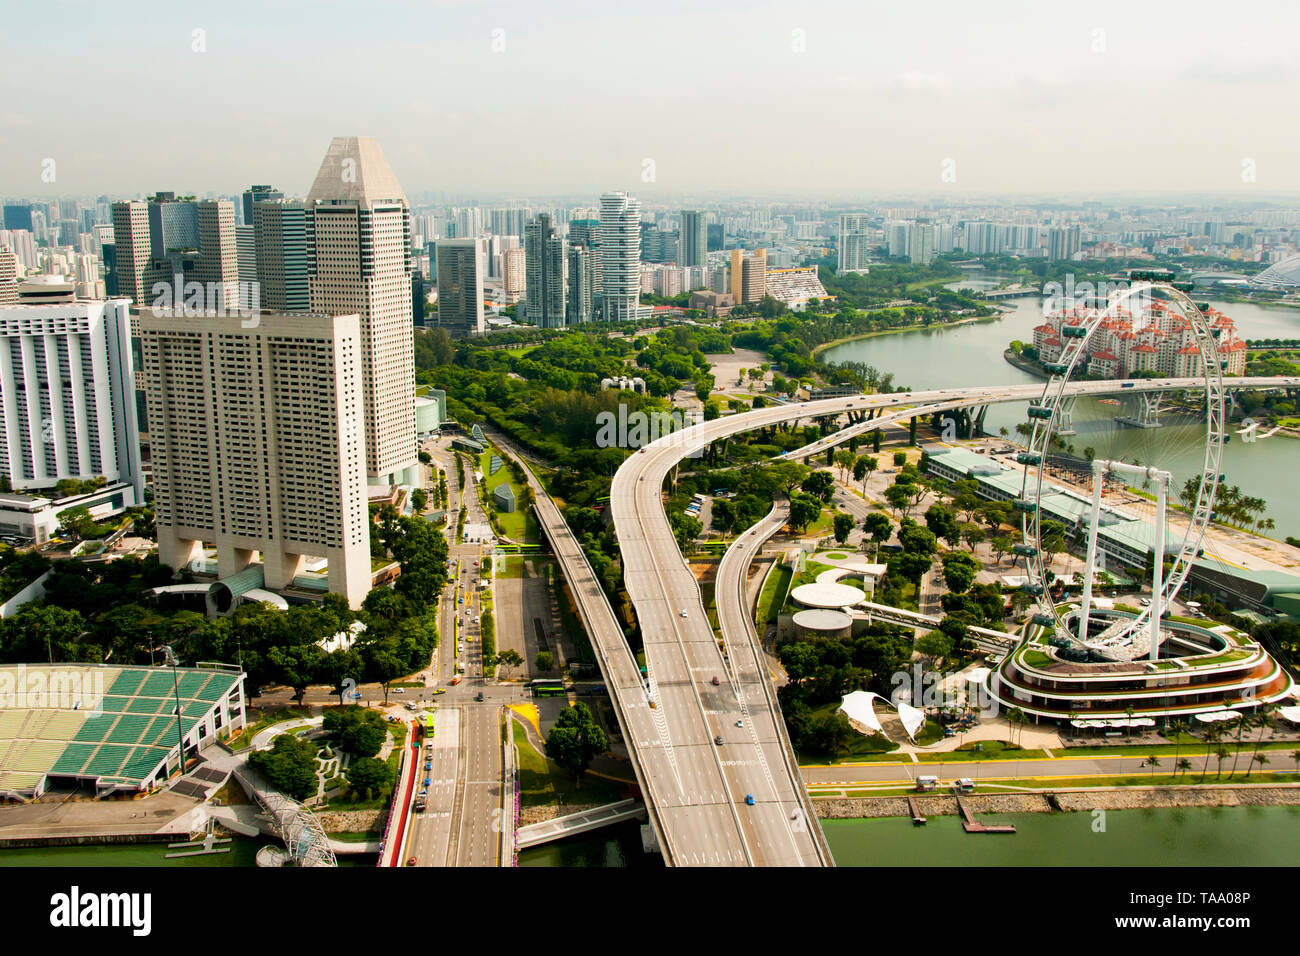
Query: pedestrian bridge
(536, 834)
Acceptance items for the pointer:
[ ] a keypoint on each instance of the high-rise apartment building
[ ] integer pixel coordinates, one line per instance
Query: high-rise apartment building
(8, 277)
(855, 229)
(920, 243)
(514, 269)
(1063, 242)
(507, 222)
(165, 237)
(544, 271)
(587, 232)
(620, 251)
(580, 306)
(461, 267)
(358, 228)
(67, 404)
(693, 246)
(258, 443)
(280, 232)
(748, 275)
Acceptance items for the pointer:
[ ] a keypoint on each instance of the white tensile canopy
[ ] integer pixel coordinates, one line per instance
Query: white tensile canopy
(1114, 722)
(857, 707)
(1291, 714)
(913, 718)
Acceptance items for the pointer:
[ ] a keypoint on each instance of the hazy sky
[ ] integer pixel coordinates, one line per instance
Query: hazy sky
(856, 99)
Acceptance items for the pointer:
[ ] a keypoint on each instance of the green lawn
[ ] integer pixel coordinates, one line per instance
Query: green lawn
(1034, 658)
(809, 574)
(265, 719)
(773, 595)
(518, 525)
(822, 526)
(542, 782)
(993, 750)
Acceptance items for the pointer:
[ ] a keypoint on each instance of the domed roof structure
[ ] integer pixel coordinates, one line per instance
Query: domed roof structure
(1280, 275)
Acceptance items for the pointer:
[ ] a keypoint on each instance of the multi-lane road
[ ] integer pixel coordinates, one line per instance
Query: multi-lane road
(748, 675)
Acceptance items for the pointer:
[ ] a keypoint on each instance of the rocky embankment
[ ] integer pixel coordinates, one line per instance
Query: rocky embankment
(1129, 798)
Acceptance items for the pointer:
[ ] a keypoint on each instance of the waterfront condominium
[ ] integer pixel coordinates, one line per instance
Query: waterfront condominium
(693, 246)
(258, 443)
(67, 403)
(852, 244)
(358, 228)
(462, 264)
(620, 252)
(544, 274)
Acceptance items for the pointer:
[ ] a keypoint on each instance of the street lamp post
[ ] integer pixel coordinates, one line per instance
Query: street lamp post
(169, 657)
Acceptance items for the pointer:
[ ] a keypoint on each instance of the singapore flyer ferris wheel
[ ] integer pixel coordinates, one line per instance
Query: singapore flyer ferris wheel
(1126, 637)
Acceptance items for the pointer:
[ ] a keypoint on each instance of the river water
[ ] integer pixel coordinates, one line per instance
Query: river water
(971, 354)
(1191, 836)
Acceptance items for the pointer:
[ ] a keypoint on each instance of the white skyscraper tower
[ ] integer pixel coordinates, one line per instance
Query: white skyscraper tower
(855, 231)
(359, 262)
(620, 250)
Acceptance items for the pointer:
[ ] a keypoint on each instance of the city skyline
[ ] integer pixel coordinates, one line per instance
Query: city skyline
(1025, 102)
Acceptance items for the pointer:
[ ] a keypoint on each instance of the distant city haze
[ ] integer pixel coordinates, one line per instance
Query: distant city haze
(838, 100)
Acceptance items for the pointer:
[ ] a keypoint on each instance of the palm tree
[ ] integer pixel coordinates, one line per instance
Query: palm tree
(1222, 754)
(1129, 711)
(1212, 734)
(1295, 755)
(1184, 765)
(1016, 718)
(1244, 722)
(1153, 761)
(1177, 727)
(1261, 759)
(1264, 720)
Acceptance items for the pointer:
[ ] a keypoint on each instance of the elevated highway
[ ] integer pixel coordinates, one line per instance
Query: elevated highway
(747, 673)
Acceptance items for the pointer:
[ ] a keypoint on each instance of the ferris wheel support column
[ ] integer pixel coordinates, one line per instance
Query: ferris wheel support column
(1158, 565)
(1098, 480)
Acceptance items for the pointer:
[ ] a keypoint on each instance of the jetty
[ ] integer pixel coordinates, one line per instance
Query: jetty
(917, 817)
(971, 825)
